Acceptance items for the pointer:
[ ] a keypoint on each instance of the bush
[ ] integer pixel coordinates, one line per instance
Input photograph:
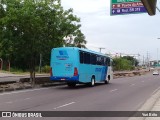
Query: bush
(16, 70)
(46, 69)
(122, 64)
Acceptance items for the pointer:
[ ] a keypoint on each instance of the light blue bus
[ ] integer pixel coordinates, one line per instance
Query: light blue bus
(76, 65)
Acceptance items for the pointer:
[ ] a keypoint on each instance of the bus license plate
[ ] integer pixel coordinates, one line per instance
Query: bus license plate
(62, 79)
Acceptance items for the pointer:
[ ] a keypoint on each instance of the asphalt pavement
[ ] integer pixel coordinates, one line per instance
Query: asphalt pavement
(122, 94)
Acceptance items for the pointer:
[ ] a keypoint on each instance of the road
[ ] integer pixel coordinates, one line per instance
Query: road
(122, 94)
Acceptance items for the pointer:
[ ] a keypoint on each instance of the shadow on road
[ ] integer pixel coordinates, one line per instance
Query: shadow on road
(82, 86)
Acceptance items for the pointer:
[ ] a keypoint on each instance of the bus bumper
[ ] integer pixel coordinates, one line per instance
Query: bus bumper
(65, 79)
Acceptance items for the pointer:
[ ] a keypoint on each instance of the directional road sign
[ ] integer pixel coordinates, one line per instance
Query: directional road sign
(119, 7)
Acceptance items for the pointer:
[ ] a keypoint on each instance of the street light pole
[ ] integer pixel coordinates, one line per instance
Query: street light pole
(101, 49)
(158, 9)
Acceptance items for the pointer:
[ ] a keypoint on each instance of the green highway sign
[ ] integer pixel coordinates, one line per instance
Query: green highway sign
(119, 7)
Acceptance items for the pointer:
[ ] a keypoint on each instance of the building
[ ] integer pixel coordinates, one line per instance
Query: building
(154, 63)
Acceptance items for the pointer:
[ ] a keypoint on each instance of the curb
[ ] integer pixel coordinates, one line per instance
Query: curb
(148, 105)
(1, 90)
(29, 87)
(20, 88)
(9, 89)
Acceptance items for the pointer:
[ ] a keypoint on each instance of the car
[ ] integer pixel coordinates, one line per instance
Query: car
(155, 72)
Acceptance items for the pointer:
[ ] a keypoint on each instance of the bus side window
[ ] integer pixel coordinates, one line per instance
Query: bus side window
(107, 62)
(81, 57)
(104, 61)
(99, 60)
(86, 58)
(93, 59)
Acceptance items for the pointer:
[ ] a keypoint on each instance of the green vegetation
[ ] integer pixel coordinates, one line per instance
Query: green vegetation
(29, 28)
(125, 63)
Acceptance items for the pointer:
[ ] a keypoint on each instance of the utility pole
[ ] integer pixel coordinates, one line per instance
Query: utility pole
(143, 60)
(40, 63)
(101, 49)
(147, 60)
(157, 57)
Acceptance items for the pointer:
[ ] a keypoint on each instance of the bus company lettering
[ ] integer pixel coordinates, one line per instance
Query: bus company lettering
(98, 69)
(62, 55)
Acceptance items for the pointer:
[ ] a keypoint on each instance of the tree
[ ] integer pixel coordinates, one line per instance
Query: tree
(33, 27)
(133, 60)
(76, 41)
(79, 40)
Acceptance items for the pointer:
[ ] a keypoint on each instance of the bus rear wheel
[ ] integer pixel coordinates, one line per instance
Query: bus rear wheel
(71, 84)
(92, 83)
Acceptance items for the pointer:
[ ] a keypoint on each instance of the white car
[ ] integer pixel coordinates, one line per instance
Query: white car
(155, 72)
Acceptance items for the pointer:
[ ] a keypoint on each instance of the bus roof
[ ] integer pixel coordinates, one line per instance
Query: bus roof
(86, 50)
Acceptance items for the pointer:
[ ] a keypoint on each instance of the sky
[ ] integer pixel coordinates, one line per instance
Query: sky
(127, 34)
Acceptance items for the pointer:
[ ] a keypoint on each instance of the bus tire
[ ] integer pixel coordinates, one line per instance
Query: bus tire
(107, 81)
(71, 84)
(92, 83)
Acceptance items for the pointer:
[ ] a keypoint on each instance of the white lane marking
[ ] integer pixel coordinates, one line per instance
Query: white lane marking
(113, 90)
(155, 90)
(132, 84)
(14, 92)
(64, 105)
(27, 98)
(9, 102)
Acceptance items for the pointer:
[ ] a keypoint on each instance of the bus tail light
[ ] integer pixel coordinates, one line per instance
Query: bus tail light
(51, 74)
(75, 71)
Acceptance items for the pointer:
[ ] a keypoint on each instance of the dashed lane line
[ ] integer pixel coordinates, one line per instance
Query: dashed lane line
(64, 105)
(113, 90)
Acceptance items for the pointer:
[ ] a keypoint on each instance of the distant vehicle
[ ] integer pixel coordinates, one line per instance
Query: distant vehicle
(155, 72)
(75, 66)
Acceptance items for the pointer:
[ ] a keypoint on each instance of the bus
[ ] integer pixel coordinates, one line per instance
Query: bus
(80, 66)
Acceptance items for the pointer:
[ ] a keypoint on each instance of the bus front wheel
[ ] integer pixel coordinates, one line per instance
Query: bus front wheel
(107, 81)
